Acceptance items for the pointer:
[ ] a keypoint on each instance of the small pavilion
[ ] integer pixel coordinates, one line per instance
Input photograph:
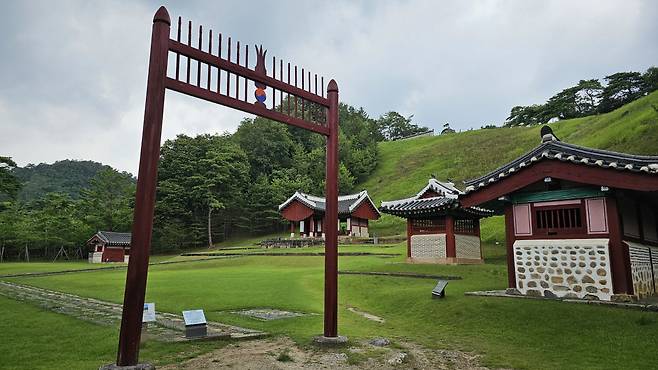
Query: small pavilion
(580, 222)
(109, 246)
(307, 212)
(439, 230)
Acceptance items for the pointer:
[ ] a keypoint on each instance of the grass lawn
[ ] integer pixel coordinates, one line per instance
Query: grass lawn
(508, 332)
(37, 339)
(10, 268)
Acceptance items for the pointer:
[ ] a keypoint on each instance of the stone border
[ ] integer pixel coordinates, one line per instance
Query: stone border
(119, 267)
(504, 294)
(400, 274)
(169, 327)
(291, 254)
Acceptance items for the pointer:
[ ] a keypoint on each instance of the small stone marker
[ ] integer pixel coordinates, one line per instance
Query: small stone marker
(380, 342)
(195, 324)
(148, 314)
(439, 289)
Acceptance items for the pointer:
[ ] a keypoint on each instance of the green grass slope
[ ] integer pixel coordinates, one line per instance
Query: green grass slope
(405, 166)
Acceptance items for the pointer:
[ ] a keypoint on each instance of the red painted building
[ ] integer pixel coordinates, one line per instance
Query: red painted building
(306, 213)
(439, 230)
(580, 222)
(109, 246)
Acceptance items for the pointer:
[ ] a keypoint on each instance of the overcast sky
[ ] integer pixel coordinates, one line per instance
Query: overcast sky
(73, 73)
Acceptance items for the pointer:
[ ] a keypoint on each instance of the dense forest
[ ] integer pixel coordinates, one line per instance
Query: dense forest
(67, 176)
(588, 97)
(41, 226)
(209, 186)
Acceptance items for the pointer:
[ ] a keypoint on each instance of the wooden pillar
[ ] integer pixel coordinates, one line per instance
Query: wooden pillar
(451, 248)
(292, 229)
(409, 234)
(476, 225)
(331, 241)
(142, 228)
(620, 262)
(509, 243)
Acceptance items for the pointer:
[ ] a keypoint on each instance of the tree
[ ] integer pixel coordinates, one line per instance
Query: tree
(393, 126)
(228, 172)
(268, 145)
(526, 116)
(9, 184)
(588, 96)
(108, 203)
(621, 88)
(650, 78)
(200, 178)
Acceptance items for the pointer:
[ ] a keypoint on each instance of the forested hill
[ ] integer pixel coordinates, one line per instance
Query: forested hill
(67, 176)
(403, 167)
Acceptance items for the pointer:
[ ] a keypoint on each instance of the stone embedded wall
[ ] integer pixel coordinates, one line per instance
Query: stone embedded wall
(428, 246)
(467, 246)
(644, 268)
(568, 268)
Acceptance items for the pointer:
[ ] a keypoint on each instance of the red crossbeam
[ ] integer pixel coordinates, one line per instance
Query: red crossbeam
(237, 69)
(228, 101)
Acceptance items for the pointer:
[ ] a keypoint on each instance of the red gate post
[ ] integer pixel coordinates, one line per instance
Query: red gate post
(331, 242)
(133, 301)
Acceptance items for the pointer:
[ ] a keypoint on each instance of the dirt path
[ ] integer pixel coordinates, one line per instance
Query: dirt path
(283, 353)
(168, 327)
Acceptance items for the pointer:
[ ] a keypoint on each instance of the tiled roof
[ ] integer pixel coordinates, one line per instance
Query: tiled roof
(439, 204)
(114, 238)
(555, 150)
(447, 189)
(346, 203)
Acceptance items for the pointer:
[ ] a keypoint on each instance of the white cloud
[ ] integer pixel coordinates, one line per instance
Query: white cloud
(73, 73)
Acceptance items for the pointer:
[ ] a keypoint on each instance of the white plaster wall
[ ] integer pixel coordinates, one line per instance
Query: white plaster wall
(563, 267)
(361, 231)
(641, 257)
(467, 246)
(428, 246)
(96, 257)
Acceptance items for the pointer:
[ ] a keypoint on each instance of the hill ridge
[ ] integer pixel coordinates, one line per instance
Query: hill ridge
(404, 166)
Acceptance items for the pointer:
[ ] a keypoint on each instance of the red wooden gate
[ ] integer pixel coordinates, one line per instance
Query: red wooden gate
(298, 105)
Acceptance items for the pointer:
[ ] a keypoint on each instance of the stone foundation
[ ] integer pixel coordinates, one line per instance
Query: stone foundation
(644, 268)
(563, 268)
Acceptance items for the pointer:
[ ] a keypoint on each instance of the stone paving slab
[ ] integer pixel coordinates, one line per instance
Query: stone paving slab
(267, 314)
(168, 327)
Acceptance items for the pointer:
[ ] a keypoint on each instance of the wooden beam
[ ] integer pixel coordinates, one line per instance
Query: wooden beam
(620, 262)
(451, 247)
(509, 243)
(244, 106)
(239, 70)
(409, 234)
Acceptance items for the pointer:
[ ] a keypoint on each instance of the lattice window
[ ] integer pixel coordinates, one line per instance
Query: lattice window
(555, 221)
(465, 226)
(428, 226)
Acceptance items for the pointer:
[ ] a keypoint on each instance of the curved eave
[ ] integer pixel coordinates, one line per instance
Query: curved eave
(568, 153)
